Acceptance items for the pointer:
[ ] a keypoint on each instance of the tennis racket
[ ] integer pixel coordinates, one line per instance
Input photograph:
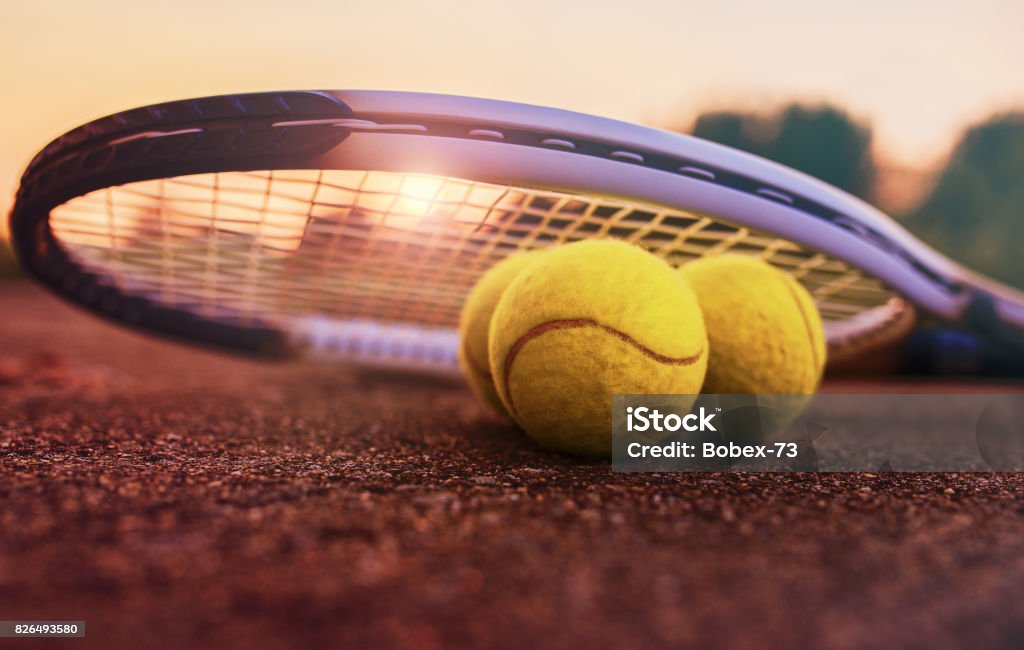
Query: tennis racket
(351, 224)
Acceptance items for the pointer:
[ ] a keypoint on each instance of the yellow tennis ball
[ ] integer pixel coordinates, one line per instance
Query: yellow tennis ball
(475, 321)
(764, 331)
(584, 322)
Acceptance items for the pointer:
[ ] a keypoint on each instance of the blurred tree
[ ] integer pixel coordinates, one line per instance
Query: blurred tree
(732, 129)
(975, 213)
(823, 141)
(826, 143)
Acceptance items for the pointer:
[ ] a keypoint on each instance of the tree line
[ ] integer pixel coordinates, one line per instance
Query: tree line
(974, 212)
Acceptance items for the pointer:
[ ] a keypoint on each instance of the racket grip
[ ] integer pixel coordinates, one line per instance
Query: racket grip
(945, 351)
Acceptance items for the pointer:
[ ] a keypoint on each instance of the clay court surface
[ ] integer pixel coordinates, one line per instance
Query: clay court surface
(173, 497)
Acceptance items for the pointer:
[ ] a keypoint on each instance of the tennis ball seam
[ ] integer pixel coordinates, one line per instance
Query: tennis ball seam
(570, 323)
(807, 324)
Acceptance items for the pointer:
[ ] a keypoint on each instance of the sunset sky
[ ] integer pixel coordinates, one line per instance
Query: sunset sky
(918, 70)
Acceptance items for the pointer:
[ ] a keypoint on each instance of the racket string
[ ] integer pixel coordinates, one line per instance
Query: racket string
(393, 248)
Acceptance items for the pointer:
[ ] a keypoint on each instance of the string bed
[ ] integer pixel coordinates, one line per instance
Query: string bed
(300, 246)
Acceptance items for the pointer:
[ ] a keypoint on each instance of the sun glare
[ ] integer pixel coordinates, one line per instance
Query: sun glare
(417, 194)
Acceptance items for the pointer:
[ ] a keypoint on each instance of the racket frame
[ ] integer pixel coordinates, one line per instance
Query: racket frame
(482, 140)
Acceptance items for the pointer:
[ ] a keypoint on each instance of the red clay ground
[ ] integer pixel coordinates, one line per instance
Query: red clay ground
(178, 498)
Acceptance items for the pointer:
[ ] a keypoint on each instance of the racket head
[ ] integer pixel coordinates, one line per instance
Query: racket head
(352, 224)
